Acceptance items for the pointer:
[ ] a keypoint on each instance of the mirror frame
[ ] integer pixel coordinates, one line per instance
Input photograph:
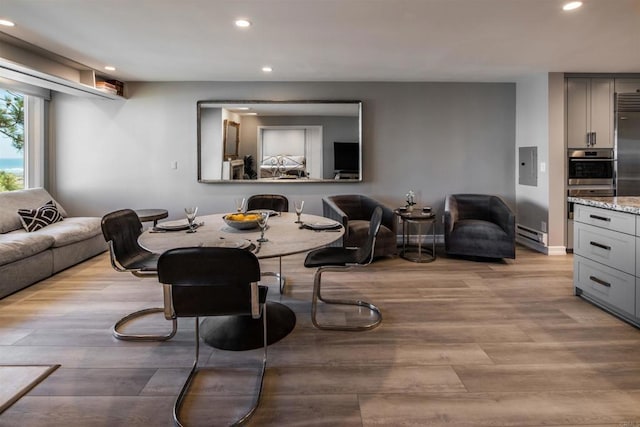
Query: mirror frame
(199, 106)
(225, 139)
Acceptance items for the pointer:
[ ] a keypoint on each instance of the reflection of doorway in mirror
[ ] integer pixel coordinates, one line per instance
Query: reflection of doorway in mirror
(290, 152)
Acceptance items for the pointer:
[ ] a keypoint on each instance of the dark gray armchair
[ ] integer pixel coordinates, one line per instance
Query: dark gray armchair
(479, 225)
(354, 211)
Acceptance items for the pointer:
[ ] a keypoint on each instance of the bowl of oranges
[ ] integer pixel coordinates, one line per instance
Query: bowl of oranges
(242, 221)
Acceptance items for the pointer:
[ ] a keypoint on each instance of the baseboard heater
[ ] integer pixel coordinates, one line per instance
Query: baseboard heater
(529, 234)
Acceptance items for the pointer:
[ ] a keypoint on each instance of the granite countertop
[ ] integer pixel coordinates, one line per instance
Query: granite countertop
(630, 204)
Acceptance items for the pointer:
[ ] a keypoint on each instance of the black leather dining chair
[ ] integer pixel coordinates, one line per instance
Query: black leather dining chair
(121, 230)
(278, 203)
(342, 259)
(206, 281)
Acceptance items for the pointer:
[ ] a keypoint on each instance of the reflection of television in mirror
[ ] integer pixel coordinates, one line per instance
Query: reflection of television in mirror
(346, 160)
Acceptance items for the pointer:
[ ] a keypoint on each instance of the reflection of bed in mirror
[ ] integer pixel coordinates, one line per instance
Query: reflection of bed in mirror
(283, 166)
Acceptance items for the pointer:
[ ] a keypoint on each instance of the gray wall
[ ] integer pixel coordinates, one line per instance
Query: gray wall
(433, 138)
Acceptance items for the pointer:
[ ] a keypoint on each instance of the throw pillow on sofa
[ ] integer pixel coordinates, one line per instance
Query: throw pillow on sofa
(35, 219)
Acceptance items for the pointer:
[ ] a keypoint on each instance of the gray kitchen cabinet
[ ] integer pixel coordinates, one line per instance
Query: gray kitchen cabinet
(627, 85)
(606, 261)
(589, 112)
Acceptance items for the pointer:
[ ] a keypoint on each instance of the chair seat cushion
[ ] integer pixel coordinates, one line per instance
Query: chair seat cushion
(480, 238)
(144, 261)
(359, 230)
(479, 229)
(330, 256)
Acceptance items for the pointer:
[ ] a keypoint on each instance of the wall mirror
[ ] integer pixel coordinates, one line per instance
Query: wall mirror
(279, 141)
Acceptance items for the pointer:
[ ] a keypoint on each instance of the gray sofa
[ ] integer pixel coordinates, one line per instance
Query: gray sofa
(26, 258)
(479, 225)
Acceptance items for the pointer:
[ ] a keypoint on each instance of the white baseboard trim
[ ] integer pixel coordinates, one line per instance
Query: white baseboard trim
(556, 250)
(536, 246)
(424, 238)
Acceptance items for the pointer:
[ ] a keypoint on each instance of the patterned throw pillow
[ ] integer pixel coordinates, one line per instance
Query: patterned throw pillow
(35, 219)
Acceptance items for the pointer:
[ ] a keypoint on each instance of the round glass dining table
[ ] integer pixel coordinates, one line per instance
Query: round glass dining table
(285, 237)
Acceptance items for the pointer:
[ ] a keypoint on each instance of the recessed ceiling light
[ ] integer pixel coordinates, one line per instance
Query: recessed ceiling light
(267, 69)
(242, 108)
(109, 68)
(572, 5)
(242, 23)
(7, 23)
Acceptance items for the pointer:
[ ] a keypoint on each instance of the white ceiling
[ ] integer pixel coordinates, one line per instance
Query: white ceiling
(333, 40)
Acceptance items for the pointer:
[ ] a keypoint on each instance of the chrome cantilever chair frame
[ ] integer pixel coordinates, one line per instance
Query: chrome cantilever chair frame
(317, 284)
(268, 201)
(258, 309)
(143, 273)
(318, 296)
(194, 371)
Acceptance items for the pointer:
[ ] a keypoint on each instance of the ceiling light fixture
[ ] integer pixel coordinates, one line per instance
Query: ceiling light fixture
(6, 23)
(267, 69)
(572, 5)
(242, 23)
(109, 68)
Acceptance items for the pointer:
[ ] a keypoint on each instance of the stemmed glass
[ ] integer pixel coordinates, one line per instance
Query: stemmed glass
(191, 217)
(262, 222)
(240, 204)
(299, 205)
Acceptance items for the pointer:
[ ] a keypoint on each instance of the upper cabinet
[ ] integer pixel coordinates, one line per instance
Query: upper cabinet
(589, 112)
(627, 85)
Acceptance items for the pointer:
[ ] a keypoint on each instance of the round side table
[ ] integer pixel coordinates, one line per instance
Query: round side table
(154, 215)
(415, 252)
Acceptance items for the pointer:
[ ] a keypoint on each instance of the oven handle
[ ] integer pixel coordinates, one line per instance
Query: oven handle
(580, 159)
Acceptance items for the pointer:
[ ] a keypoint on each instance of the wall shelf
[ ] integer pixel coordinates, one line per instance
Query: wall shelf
(23, 74)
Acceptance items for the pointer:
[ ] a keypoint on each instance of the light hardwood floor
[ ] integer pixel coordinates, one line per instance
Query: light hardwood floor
(462, 343)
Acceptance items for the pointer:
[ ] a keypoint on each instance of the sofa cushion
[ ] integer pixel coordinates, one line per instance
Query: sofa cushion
(72, 230)
(19, 245)
(11, 201)
(35, 219)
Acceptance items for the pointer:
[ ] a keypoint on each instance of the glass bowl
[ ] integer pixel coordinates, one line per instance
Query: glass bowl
(241, 221)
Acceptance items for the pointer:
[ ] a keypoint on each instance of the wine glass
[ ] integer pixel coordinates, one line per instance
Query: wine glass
(239, 204)
(191, 217)
(299, 205)
(262, 222)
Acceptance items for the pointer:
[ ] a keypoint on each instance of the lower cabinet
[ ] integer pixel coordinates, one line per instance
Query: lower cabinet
(606, 260)
(613, 287)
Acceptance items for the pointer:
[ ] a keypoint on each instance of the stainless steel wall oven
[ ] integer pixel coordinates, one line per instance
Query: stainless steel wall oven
(591, 168)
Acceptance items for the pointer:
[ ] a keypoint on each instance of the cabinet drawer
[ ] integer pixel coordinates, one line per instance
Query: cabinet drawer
(605, 218)
(638, 256)
(638, 298)
(610, 286)
(614, 249)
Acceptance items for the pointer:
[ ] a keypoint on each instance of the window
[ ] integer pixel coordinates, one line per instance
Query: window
(11, 140)
(21, 140)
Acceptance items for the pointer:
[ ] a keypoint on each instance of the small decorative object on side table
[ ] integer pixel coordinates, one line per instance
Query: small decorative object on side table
(415, 252)
(411, 200)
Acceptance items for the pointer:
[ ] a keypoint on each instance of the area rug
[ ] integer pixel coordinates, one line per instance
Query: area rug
(17, 380)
